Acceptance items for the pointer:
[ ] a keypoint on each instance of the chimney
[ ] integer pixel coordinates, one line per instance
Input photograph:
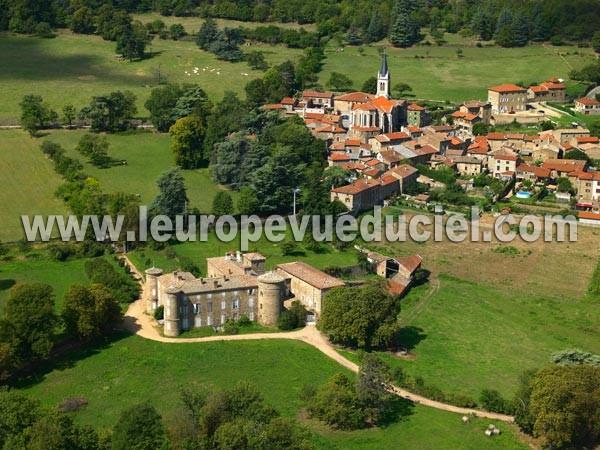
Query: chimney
(216, 284)
(239, 256)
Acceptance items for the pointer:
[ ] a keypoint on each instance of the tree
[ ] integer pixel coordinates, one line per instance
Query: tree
(82, 21)
(564, 404)
(208, 33)
(57, 430)
(564, 185)
(377, 29)
(404, 31)
(480, 129)
(17, 413)
(193, 101)
(363, 317)
(401, 89)
(482, 25)
(222, 204)
(139, 428)
(596, 41)
(89, 312)
(577, 154)
(374, 383)
(256, 60)
(161, 103)
(94, 147)
(521, 30)
(188, 142)
(339, 82)
(288, 247)
(35, 113)
(69, 115)
(172, 198)
(107, 112)
(370, 85)
(573, 357)
(505, 31)
(177, 31)
(131, 43)
(247, 202)
(29, 321)
(491, 400)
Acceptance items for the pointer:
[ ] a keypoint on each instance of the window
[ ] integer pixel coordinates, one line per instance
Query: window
(209, 321)
(209, 306)
(251, 302)
(196, 308)
(198, 297)
(223, 319)
(223, 304)
(250, 291)
(235, 304)
(153, 292)
(198, 322)
(235, 317)
(251, 315)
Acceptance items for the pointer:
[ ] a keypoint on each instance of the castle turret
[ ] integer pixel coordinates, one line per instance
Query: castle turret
(383, 79)
(152, 288)
(271, 292)
(172, 317)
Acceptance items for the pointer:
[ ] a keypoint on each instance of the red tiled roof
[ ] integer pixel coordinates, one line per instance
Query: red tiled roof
(387, 137)
(310, 275)
(507, 88)
(273, 106)
(564, 165)
(330, 129)
(339, 157)
(410, 263)
(588, 140)
(358, 186)
(540, 172)
(288, 101)
(383, 104)
(506, 157)
(587, 101)
(415, 107)
(589, 215)
(413, 129)
(364, 107)
(373, 173)
(402, 171)
(317, 94)
(495, 136)
(355, 97)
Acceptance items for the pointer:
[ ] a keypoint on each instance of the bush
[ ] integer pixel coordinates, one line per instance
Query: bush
(491, 400)
(230, 327)
(244, 322)
(159, 313)
(295, 317)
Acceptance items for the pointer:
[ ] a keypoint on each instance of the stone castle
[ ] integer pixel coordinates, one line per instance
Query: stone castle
(236, 285)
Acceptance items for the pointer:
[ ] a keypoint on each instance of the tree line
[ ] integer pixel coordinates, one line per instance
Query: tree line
(509, 22)
(209, 419)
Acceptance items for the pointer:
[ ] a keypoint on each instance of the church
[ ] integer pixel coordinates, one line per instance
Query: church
(368, 115)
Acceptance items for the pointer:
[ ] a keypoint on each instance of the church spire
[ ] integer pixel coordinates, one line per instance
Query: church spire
(383, 78)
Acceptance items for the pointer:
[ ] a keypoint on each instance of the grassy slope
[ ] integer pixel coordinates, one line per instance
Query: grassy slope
(442, 75)
(133, 370)
(28, 183)
(468, 337)
(73, 68)
(148, 155)
(60, 275)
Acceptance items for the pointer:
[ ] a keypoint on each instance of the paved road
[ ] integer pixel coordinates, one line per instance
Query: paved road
(138, 322)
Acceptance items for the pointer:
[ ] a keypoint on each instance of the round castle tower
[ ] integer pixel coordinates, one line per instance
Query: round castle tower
(152, 288)
(172, 325)
(271, 292)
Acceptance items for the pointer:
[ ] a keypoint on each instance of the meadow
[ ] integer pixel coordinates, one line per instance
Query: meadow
(30, 180)
(439, 73)
(131, 370)
(28, 183)
(72, 68)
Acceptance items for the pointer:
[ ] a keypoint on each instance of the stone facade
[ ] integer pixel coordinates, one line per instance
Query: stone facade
(507, 98)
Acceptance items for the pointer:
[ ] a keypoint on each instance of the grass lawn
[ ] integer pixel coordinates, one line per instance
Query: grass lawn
(37, 268)
(28, 183)
(132, 370)
(437, 73)
(73, 68)
(148, 155)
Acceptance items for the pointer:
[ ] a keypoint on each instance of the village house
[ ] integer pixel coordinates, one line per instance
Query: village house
(587, 185)
(400, 271)
(405, 174)
(382, 141)
(507, 98)
(366, 193)
(587, 106)
(564, 135)
(464, 122)
(417, 115)
(468, 165)
(502, 165)
(317, 100)
(563, 167)
(551, 90)
(483, 110)
(438, 140)
(534, 174)
(589, 218)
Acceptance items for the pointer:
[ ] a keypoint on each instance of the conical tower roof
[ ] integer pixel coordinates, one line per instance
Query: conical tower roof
(384, 66)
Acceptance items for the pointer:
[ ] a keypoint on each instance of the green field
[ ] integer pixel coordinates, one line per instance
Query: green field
(132, 370)
(37, 268)
(467, 337)
(73, 68)
(28, 183)
(437, 73)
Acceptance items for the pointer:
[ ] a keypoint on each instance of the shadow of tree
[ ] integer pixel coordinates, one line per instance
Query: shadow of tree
(6, 284)
(409, 337)
(397, 410)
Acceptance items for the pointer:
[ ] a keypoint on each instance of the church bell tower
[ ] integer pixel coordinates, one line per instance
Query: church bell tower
(383, 79)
